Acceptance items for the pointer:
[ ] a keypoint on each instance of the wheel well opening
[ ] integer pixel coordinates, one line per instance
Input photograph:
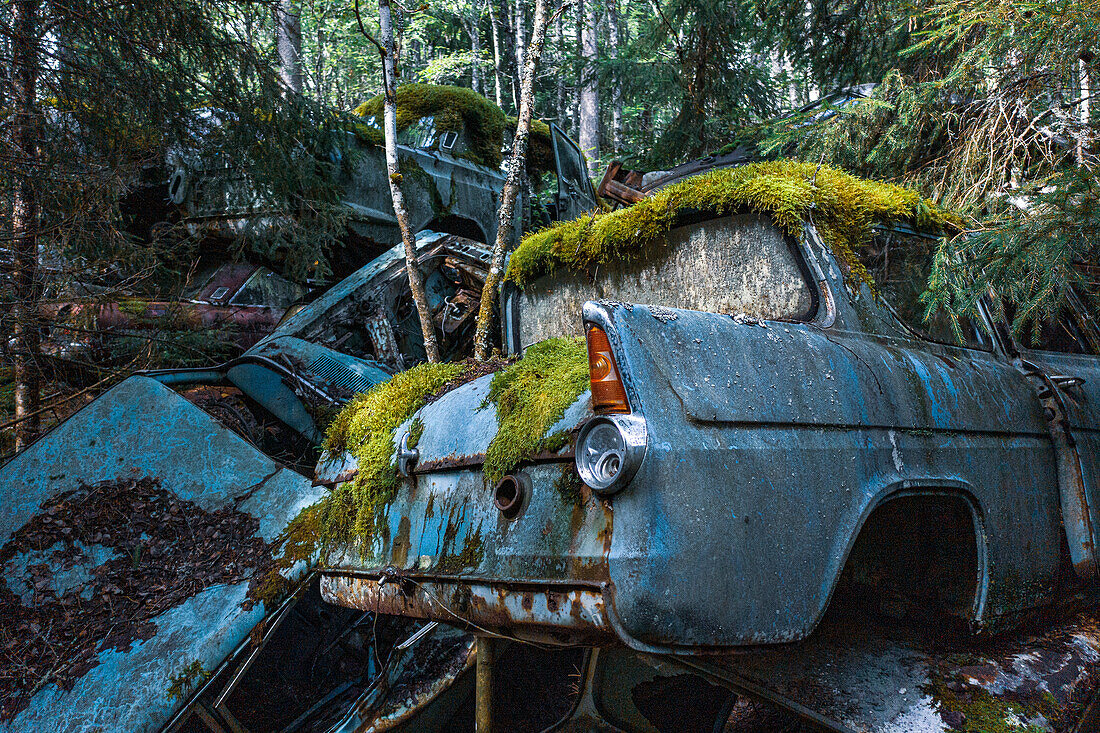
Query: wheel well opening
(915, 559)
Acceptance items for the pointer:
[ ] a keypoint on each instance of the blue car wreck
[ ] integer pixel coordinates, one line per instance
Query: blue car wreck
(768, 429)
(152, 576)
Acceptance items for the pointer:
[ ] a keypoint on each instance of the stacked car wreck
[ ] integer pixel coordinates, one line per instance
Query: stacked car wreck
(721, 444)
(765, 429)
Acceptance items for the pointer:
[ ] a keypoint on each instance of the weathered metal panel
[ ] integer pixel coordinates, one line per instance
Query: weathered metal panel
(739, 264)
(562, 614)
(142, 429)
(783, 465)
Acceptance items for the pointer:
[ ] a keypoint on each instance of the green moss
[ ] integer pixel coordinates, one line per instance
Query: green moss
(986, 713)
(842, 206)
(181, 683)
(569, 486)
(416, 429)
(365, 428)
(540, 146)
(299, 541)
(473, 551)
(454, 109)
(530, 396)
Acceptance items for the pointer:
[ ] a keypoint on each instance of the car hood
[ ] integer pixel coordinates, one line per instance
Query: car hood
(458, 428)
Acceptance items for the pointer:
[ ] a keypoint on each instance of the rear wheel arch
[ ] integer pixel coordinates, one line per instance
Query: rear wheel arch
(919, 535)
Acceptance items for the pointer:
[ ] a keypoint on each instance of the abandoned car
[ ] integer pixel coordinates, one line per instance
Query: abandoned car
(182, 613)
(244, 302)
(449, 147)
(765, 420)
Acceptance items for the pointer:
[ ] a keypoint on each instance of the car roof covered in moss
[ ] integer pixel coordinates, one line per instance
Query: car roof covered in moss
(455, 109)
(843, 208)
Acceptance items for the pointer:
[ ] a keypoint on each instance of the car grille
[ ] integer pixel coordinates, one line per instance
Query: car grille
(339, 374)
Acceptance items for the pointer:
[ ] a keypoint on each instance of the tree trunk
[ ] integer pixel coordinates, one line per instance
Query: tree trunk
(25, 132)
(559, 79)
(509, 52)
(614, 37)
(320, 84)
(590, 91)
(475, 47)
(288, 45)
(575, 130)
(519, 42)
(513, 184)
(494, 23)
(412, 264)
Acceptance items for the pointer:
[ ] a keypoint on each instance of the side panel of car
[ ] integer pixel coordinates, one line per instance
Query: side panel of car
(436, 186)
(758, 478)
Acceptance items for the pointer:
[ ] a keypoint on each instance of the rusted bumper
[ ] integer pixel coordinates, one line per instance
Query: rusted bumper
(547, 611)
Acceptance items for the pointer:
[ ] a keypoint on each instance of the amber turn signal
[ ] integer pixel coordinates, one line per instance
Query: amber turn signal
(608, 394)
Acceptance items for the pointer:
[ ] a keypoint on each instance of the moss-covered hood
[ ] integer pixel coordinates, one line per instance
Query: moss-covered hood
(455, 108)
(842, 206)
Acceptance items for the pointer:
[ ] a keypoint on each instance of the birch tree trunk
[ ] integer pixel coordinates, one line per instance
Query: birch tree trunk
(575, 130)
(474, 30)
(320, 85)
(412, 264)
(614, 38)
(495, 25)
(519, 36)
(509, 52)
(288, 45)
(513, 184)
(559, 79)
(24, 338)
(589, 137)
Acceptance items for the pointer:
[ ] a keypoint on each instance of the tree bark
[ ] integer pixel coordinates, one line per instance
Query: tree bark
(520, 41)
(590, 91)
(474, 29)
(288, 44)
(412, 264)
(614, 37)
(575, 130)
(513, 184)
(494, 23)
(25, 213)
(509, 52)
(559, 79)
(320, 84)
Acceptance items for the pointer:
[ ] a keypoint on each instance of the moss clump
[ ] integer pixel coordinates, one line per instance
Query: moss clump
(454, 109)
(473, 552)
(842, 206)
(366, 427)
(569, 486)
(530, 396)
(540, 146)
(416, 429)
(984, 713)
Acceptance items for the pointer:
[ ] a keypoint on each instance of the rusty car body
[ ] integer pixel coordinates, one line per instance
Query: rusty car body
(445, 189)
(243, 302)
(141, 533)
(787, 438)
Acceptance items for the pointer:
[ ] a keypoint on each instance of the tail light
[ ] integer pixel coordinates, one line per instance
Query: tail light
(608, 393)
